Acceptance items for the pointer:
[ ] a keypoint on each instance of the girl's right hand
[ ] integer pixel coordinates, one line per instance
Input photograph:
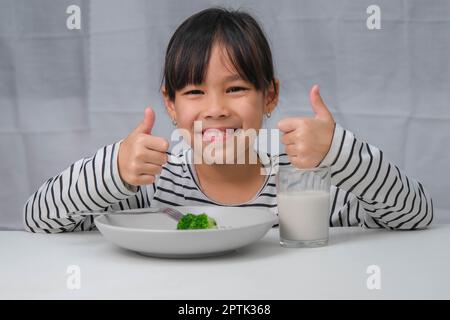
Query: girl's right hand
(142, 155)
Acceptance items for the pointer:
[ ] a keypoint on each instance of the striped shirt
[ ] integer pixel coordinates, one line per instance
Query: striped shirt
(366, 191)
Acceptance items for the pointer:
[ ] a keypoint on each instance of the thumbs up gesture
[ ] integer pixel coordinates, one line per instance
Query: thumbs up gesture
(142, 155)
(308, 140)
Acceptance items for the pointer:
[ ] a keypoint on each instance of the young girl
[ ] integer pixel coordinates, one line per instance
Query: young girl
(219, 73)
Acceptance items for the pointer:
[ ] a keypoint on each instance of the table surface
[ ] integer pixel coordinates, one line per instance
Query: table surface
(410, 265)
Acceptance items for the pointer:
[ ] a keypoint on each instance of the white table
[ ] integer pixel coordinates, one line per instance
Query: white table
(412, 265)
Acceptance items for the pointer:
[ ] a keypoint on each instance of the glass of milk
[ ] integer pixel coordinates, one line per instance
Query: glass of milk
(303, 197)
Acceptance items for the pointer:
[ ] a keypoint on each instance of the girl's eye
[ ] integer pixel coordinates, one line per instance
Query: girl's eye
(194, 92)
(236, 89)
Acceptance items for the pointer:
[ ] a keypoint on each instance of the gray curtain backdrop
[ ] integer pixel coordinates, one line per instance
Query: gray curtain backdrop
(65, 93)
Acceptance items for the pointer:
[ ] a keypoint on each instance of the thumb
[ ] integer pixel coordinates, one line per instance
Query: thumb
(319, 107)
(146, 125)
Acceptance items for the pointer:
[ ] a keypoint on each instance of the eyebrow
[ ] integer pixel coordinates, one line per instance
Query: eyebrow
(233, 78)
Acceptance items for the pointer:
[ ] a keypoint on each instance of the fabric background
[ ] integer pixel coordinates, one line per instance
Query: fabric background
(65, 93)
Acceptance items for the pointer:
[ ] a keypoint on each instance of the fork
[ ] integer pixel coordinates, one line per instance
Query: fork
(173, 213)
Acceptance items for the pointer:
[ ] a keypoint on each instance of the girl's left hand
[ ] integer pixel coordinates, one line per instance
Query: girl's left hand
(308, 140)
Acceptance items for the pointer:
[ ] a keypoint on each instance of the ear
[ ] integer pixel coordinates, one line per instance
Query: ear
(271, 96)
(170, 104)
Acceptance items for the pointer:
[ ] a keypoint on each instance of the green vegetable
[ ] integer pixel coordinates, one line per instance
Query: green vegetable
(193, 221)
(185, 222)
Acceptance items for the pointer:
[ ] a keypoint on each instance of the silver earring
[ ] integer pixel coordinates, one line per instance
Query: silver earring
(174, 122)
(268, 114)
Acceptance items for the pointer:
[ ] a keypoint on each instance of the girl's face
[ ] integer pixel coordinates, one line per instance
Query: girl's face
(222, 102)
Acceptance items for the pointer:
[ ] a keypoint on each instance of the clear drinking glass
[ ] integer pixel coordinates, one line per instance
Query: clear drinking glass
(303, 197)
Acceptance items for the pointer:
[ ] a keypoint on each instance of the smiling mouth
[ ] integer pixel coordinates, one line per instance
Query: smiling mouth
(224, 133)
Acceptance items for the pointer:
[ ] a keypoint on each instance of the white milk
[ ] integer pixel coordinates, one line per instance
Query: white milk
(303, 215)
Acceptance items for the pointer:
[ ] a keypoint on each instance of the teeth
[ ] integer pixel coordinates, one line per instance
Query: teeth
(222, 130)
(213, 133)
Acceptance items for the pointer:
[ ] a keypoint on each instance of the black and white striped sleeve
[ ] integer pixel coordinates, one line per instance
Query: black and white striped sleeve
(385, 194)
(88, 184)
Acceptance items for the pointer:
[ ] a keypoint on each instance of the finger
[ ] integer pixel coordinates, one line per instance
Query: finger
(155, 157)
(300, 163)
(291, 150)
(288, 124)
(291, 137)
(319, 107)
(147, 168)
(294, 160)
(147, 123)
(145, 179)
(156, 143)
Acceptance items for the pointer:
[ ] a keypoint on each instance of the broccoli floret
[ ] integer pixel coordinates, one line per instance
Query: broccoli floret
(202, 221)
(185, 222)
(192, 221)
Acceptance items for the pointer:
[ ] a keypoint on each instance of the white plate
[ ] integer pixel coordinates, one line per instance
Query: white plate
(155, 234)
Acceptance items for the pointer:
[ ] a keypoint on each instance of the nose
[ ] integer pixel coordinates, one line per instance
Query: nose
(216, 109)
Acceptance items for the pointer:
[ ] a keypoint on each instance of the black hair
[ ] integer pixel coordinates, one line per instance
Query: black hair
(189, 49)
